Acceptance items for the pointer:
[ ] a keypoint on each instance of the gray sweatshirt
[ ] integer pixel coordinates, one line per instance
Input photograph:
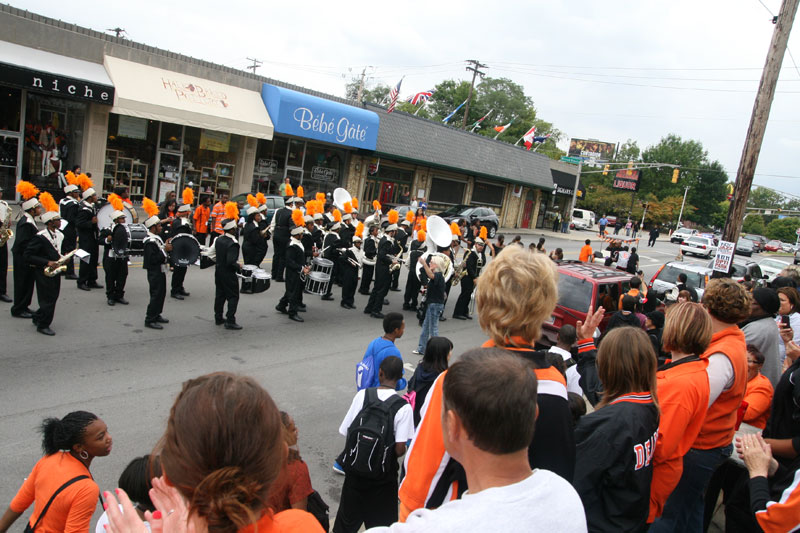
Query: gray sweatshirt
(763, 334)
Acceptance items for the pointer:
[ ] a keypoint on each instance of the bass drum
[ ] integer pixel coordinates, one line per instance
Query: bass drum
(104, 216)
(185, 250)
(136, 235)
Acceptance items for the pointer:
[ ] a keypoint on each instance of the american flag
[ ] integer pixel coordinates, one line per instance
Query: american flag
(393, 96)
(418, 98)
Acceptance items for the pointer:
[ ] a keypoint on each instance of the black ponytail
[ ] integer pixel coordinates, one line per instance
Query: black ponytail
(63, 434)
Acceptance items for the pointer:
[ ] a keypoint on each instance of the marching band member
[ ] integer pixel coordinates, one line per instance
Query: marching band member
(86, 222)
(115, 258)
(227, 285)
(155, 262)
(383, 263)
(181, 224)
(26, 229)
(279, 228)
(473, 262)
(330, 248)
(410, 297)
(295, 265)
(349, 263)
(5, 224)
(400, 247)
(348, 228)
(254, 245)
(68, 207)
(44, 250)
(375, 217)
(368, 261)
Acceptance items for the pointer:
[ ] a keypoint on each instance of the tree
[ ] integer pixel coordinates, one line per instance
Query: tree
(764, 198)
(753, 224)
(783, 229)
(375, 95)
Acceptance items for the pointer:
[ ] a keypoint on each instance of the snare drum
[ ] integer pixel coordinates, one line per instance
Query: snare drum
(260, 280)
(104, 216)
(323, 266)
(247, 275)
(185, 250)
(136, 234)
(317, 282)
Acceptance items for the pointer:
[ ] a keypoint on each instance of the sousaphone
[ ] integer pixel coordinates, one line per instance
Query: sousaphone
(341, 197)
(439, 235)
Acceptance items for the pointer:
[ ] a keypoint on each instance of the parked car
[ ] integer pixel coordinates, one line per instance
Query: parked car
(579, 286)
(582, 219)
(742, 267)
(697, 245)
(470, 213)
(788, 247)
(772, 267)
(759, 241)
(797, 256)
(274, 202)
(713, 236)
(745, 247)
(666, 277)
(773, 246)
(681, 234)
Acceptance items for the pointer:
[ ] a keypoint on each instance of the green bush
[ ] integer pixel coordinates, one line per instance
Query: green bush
(783, 229)
(754, 224)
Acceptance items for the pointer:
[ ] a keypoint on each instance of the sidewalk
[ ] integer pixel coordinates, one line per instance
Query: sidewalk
(573, 235)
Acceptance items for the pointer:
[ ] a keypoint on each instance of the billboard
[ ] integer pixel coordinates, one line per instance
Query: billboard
(592, 150)
(627, 180)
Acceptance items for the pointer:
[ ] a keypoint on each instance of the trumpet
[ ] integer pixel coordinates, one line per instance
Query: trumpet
(61, 265)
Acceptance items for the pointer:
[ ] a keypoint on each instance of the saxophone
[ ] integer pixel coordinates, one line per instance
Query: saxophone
(461, 269)
(61, 267)
(5, 232)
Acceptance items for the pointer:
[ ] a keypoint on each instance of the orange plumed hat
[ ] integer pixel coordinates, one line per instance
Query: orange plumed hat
(337, 215)
(355, 203)
(393, 216)
(297, 218)
(409, 215)
(188, 196)
(261, 198)
(150, 207)
(300, 191)
(85, 182)
(321, 198)
(360, 229)
(231, 211)
(348, 207)
(289, 190)
(311, 207)
(421, 235)
(484, 233)
(48, 202)
(454, 229)
(252, 200)
(72, 179)
(116, 201)
(27, 190)
(376, 204)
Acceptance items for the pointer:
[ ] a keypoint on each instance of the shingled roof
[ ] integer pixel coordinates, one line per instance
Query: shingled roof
(420, 140)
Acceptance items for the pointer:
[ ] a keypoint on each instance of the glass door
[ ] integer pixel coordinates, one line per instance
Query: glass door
(9, 168)
(295, 176)
(168, 173)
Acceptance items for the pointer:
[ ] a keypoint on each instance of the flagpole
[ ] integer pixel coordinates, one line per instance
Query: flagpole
(424, 103)
(481, 120)
(517, 143)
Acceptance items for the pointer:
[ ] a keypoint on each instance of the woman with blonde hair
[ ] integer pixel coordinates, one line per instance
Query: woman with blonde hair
(516, 293)
(221, 454)
(615, 443)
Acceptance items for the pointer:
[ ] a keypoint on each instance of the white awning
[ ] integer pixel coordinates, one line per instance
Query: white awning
(157, 94)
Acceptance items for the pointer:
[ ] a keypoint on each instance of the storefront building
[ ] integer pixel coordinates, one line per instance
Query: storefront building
(558, 204)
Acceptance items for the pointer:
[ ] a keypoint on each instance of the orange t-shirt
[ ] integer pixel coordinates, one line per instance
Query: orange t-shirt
(289, 521)
(683, 399)
(586, 253)
(201, 215)
(758, 395)
(218, 214)
(71, 511)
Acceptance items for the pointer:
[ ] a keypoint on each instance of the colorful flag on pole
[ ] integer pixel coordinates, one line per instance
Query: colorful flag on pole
(478, 122)
(420, 97)
(528, 137)
(451, 115)
(393, 96)
(501, 129)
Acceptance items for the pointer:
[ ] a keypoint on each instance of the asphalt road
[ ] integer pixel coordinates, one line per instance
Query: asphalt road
(104, 360)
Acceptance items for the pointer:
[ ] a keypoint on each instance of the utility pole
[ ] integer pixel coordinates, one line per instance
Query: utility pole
(475, 67)
(758, 120)
(680, 215)
(118, 31)
(254, 66)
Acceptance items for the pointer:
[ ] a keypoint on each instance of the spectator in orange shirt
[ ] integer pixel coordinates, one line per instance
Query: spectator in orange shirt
(586, 254)
(69, 445)
(201, 216)
(759, 391)
(217, 214)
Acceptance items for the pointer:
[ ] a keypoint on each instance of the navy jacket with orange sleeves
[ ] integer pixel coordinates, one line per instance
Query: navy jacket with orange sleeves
(776, 503)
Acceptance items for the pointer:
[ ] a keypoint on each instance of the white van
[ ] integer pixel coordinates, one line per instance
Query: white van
(582, 219)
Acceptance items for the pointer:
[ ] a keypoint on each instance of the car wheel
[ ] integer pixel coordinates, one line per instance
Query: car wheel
(492, 232)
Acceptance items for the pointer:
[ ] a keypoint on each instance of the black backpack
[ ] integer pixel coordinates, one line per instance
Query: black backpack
(369, 448)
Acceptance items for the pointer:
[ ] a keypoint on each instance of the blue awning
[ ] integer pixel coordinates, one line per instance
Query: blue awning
(311, 117)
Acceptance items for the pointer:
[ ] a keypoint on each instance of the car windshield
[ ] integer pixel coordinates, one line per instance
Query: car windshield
(669, 274)
(455, 210)
(773, 264)
(744, 243)
(739, 270)
(574, 293)
(698, 240)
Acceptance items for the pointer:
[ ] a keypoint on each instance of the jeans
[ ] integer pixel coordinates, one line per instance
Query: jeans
(685, 506)
(430, 327)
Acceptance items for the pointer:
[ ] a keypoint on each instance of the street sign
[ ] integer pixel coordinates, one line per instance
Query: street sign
(798, 231)
(573, 160)
(724, 257)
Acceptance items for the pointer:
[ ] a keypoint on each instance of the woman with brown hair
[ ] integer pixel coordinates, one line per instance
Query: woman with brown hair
(615, 443)
(220, 455)
(294, 484)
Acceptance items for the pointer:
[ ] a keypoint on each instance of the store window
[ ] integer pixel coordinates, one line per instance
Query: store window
(171, 136)
(130, 155)
(390, 185)
(270, 164)
(9, 146)
(323, 169)
(10, 107)
(488, 194)
(209, 161)
(447, 191)
(54, 129)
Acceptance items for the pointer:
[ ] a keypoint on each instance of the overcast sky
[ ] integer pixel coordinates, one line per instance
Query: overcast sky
(612, 70)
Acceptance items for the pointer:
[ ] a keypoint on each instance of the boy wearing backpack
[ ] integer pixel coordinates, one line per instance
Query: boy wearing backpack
(377, 427)
(378, 350)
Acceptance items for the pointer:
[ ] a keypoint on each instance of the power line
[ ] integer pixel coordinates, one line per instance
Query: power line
(254, 66)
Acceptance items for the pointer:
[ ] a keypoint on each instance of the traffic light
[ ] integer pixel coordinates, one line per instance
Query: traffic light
(605, 170)
(675, 174)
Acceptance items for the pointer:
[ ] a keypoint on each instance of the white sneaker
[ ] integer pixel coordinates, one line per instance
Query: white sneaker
(416, 352)
(338, 468)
